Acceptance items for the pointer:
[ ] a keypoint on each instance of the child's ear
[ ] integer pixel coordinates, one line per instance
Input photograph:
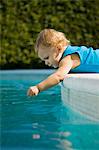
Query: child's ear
(59, 48)
(58, 53)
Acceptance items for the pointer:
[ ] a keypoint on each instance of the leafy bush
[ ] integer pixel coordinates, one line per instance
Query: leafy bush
(22, 20)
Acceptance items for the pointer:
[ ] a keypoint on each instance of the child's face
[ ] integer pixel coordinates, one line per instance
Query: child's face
(48, 55)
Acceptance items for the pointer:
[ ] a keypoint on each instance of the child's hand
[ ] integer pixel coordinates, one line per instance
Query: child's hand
(33, 90)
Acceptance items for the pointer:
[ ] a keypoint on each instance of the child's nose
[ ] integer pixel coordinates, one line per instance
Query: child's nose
(47, 63)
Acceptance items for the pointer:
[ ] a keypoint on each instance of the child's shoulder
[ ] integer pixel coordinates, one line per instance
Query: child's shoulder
(72, 59)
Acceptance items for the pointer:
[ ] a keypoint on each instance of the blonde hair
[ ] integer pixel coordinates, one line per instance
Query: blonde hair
(50, 38)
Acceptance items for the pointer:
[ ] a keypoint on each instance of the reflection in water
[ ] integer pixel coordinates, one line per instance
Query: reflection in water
(57, 139)
(51, 132)
(36, 136)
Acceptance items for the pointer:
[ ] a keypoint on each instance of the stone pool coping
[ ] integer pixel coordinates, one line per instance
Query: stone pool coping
(81, 93)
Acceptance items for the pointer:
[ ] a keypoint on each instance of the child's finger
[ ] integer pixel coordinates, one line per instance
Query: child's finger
(29, 93)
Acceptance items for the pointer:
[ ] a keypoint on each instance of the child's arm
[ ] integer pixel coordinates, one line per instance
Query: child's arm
(64, 67)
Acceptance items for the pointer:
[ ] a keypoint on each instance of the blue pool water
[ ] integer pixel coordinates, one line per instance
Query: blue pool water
(41, 122)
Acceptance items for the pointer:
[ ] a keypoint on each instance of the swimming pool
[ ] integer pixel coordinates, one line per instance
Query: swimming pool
(41, 122)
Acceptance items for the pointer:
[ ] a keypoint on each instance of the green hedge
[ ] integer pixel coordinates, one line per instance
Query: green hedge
(22, 20)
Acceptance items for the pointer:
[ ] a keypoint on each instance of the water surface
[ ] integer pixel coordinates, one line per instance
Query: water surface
(41, 122)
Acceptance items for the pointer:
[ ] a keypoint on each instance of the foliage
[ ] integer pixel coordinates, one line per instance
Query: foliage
(22, 20)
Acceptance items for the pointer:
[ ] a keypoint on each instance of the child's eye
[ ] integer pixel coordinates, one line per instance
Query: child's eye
(46, 58)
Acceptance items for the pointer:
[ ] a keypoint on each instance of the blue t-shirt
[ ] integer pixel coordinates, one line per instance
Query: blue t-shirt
(89, 58)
